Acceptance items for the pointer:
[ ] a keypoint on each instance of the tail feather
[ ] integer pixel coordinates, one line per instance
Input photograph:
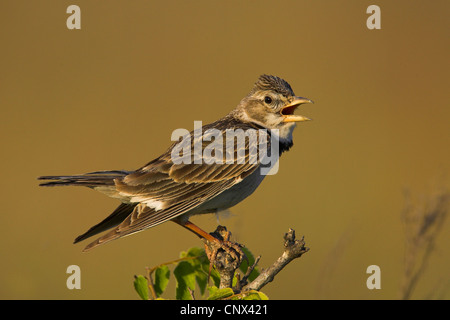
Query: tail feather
(114, 219)
(92, 179)
(102, 181)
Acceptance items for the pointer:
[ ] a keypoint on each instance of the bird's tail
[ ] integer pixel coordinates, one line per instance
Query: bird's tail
(91, 180)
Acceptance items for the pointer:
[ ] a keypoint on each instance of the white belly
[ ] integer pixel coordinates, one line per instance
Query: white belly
(232, 196)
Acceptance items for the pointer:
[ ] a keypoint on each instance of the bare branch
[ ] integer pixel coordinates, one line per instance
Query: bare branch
(293, 249)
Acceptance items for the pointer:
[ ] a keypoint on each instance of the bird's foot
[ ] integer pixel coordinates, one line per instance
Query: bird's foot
(223, 253)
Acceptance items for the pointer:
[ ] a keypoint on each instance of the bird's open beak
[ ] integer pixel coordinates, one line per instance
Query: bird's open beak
(288, 111)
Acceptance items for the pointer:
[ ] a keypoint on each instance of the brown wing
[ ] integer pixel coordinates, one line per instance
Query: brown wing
(165, 190)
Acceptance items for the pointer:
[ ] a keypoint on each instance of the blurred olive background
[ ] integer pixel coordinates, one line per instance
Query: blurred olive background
(108, 96)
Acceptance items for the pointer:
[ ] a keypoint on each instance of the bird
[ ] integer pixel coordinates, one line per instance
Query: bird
(168, 190)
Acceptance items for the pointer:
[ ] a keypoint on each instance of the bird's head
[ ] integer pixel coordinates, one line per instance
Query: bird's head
(271, 103)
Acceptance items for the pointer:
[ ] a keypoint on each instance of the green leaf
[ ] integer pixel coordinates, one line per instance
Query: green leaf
(255, 295)
(200, 257)
(263, 296)
(250, 295)
(195, 252)
(185, 275)
(141, 287)
(215, 276)
(217, 294)
(162, 275)
(202, 279)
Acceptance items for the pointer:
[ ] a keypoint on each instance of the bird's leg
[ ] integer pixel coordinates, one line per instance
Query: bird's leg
(199, 232)
(215, 242)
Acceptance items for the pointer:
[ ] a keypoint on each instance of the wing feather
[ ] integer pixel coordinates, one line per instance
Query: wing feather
(179, 188)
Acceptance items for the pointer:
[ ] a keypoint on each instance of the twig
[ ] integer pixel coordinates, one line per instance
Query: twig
(293, 249)
(152, 269)
(241, 283)
(151, 286)
(191, 292)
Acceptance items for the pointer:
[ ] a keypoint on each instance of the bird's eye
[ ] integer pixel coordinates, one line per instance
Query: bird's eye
(268, 100)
